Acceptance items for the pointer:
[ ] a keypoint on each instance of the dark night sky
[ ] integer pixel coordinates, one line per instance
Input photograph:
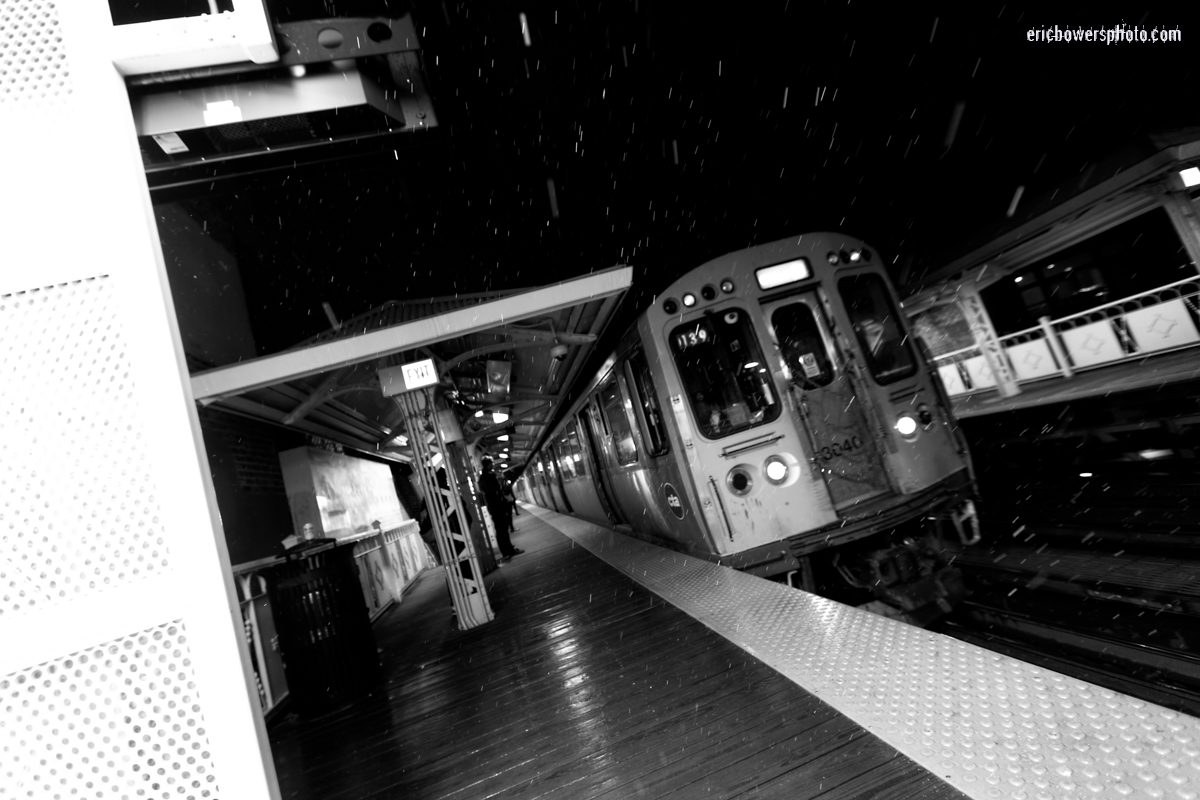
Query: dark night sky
(664, 129)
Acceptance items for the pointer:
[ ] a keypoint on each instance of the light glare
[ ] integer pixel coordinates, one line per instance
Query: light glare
(783, 274)
(1191, 176)
(776, 470)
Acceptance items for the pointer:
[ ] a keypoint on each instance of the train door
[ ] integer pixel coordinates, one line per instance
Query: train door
(558, 484)
(593, 457)
(548, 479)
(598, 434)
(582, 491)
(825, 401)
(538, 482)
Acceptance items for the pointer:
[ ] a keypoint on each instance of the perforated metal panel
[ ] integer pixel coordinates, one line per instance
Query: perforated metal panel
(78, 512)
(33, 61)
(119, 720)
(992, 726)
(110, 538)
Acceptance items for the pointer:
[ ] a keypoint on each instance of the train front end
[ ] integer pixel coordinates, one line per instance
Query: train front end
(819, 447)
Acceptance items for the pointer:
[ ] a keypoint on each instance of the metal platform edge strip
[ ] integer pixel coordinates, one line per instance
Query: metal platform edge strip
(989, 725)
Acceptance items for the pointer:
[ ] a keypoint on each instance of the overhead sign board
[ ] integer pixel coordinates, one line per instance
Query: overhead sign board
(406, 377)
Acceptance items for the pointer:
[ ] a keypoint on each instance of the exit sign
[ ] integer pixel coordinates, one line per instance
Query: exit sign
(406, 377)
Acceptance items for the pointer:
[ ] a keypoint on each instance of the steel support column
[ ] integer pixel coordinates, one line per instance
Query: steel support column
(464, 577)
(973, 308)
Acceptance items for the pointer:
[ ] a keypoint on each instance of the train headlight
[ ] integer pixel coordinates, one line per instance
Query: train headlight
(670, 306)
(776, 469)
(727, 286)
(855, 256)
(832, 256)
(689, 300)
(708, 293)
(906, 426)
(739, 481)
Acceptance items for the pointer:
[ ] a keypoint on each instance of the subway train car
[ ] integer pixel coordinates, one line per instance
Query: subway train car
(772, 413)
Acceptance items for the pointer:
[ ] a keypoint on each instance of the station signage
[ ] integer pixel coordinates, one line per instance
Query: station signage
(407, 377)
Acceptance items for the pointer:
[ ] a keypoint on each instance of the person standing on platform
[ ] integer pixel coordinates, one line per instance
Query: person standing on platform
(497, 505)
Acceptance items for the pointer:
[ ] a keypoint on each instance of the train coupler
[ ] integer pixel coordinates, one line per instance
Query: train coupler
(909, 579)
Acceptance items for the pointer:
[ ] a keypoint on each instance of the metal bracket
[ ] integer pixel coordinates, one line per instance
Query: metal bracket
(965, 513)
(312, 41)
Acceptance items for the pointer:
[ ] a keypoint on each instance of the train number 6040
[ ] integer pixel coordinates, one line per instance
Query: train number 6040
(840, 448)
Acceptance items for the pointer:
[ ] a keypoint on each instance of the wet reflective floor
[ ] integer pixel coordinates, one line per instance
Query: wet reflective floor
(585, 685)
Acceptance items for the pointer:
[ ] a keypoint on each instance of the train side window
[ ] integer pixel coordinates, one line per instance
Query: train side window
(599, 411)
(577, 452)
(614, 405)
(802, 346)
(877, 327)
(647, 400)
(724, 373)
(565, 462)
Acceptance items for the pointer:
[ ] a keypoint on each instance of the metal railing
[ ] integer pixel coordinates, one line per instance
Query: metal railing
(388, 562)
(1158, 321)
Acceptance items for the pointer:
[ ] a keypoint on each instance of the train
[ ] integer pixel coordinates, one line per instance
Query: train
(771, 411)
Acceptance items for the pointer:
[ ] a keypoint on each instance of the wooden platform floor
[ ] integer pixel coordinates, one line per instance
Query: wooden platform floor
(584, 686)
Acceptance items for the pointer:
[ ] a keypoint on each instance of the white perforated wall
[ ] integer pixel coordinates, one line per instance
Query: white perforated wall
(123, 670)
(33, 60)
(78, 508)
(119, 720)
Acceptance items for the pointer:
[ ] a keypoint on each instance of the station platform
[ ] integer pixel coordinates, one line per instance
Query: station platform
(617, 669)
(1152, 372)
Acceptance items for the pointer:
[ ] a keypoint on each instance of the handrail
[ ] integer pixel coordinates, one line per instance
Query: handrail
(1056, 333)
(1037, 328)
(1111, 303)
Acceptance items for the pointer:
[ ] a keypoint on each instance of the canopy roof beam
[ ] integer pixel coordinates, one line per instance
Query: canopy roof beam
(272, 370)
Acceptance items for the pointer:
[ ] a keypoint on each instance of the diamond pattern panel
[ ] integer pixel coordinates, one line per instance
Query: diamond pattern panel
(117, 721)
(78, 512)
(992, 726)
(33, 59)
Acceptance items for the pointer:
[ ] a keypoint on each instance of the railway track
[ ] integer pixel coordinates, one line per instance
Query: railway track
(1112, 606)
(1017, 638)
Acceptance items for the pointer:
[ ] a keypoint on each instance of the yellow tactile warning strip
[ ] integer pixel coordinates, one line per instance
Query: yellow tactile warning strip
(992, 726)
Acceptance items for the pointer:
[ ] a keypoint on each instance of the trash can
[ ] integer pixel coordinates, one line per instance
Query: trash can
(324, 630)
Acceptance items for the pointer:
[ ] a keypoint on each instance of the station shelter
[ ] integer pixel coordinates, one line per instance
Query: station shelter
(1086, 279)
(126, 665)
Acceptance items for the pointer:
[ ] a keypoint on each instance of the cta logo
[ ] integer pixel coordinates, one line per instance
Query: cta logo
(674, 502)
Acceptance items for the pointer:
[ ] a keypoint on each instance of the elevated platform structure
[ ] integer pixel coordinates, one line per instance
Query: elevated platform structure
(659, 675)
(1100, 272)
(1143, 373)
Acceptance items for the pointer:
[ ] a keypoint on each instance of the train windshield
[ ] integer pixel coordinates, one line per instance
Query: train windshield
(724, 374)
(877, 327)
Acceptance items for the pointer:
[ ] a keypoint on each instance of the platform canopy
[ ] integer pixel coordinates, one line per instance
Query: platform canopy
(504, 361)
(1059, 213)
